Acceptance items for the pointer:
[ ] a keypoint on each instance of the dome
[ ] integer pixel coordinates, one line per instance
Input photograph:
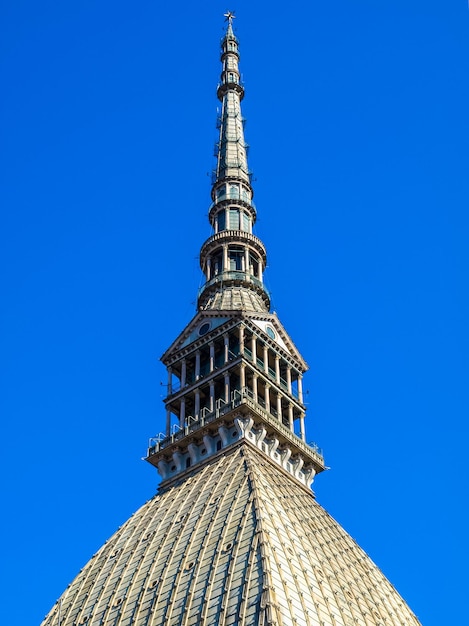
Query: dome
(234, 541)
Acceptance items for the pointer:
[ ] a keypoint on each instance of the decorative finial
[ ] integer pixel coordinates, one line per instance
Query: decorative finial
(230, 16)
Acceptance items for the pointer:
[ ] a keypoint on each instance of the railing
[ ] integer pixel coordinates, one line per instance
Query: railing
(233, 276)
(224, 197)
(220, 173)
(245, 396)
(235, 233)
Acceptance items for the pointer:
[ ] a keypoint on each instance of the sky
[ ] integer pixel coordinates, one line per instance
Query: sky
(357, 118)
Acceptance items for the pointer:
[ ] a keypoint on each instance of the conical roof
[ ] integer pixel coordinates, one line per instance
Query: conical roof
(233, 541)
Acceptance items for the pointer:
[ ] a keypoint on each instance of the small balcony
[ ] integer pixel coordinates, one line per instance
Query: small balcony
(243, 397)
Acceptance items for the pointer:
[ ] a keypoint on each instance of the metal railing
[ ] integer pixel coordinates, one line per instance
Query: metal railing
(244, 277)
(224, 197)
(235, 233)
(238, 397)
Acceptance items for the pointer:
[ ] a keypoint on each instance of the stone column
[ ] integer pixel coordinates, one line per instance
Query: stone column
(302, 427)
(183, 373)
(277, 369)
(212, 396)
(246, 260)
(242, 377)
(254, 349)
(227, 387)
(209, 268)
(267, 397)
(197, 404)
(266, 359)
(290, 417)
(212, 356)
(226, 344)
(259, 270)
(225, 258)
(279, 407)
(182, 414)
(241, 339)
(254, 386)
(197, 365)
(300, 388)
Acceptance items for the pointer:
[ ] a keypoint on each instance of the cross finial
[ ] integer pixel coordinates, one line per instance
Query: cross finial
(229, 17)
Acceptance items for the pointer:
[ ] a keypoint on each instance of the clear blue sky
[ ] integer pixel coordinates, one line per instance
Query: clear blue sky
(359, 131)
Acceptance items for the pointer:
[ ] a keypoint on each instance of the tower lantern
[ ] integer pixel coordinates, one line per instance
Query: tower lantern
(234, 369)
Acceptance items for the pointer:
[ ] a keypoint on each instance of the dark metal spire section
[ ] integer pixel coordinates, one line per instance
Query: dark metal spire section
(232, 259)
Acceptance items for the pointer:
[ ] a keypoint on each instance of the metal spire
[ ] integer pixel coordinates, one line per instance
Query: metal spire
(232, 259)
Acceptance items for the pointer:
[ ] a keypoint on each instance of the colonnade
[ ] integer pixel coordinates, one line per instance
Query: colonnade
(233, 258)
(202, 381)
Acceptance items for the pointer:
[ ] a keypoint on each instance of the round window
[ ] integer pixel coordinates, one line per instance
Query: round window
(204, 328)
(270, 331)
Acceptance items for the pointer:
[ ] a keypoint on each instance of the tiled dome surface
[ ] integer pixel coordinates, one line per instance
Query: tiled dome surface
(236, 298)
(235, 542)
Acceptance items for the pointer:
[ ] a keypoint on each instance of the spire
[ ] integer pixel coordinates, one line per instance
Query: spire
(232, 259)
(233, 367)
(229, 17)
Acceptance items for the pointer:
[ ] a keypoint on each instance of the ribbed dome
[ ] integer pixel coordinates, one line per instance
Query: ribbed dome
(236, 298)
(235, 541)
